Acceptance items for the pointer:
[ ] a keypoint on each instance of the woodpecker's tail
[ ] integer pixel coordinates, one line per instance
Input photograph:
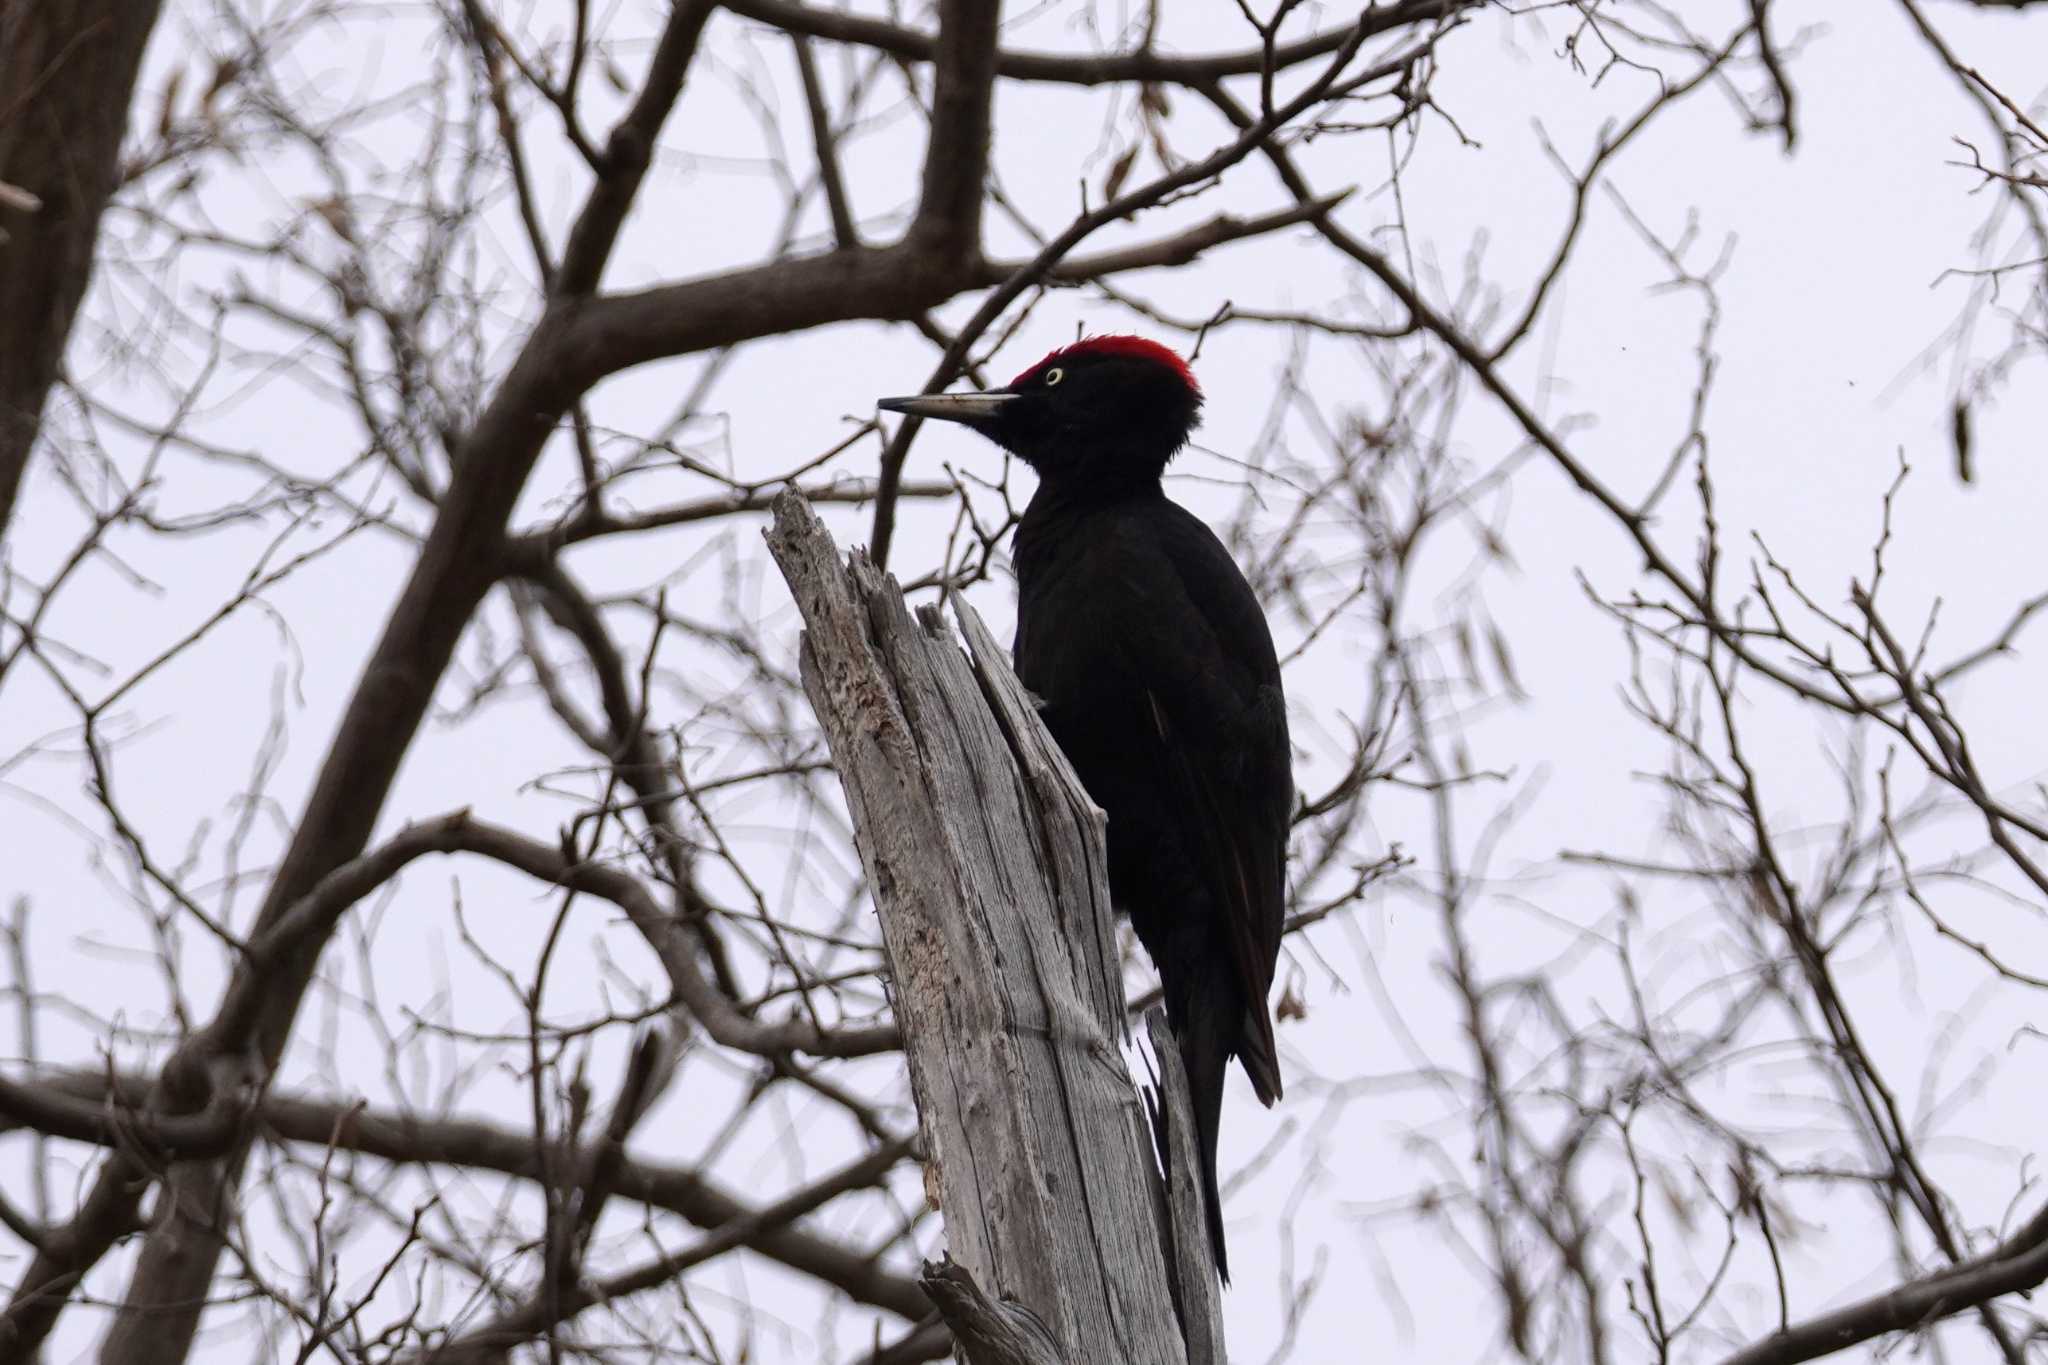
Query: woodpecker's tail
(1205, 1053)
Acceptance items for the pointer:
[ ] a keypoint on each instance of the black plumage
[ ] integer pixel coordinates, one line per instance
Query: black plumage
(1158, 676)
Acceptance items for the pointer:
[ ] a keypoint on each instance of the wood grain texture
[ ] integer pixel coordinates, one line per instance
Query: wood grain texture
(985, 858)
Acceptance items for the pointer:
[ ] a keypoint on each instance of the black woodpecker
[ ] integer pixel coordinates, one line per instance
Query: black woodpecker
(1158, 678)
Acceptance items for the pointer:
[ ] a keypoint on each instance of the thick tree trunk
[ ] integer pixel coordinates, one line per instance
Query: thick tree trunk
(67, 72)
(985, 856)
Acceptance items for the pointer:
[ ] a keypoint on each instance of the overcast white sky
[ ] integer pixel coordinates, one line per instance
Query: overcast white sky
(1832, 290)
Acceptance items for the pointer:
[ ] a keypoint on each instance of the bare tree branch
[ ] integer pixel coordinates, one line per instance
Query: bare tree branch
(69, 73)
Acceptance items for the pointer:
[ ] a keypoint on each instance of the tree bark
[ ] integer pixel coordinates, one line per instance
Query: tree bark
(67, 73)
(986, 860)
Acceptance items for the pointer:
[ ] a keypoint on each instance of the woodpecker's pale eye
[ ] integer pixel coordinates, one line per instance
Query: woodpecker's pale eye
(1054, 376)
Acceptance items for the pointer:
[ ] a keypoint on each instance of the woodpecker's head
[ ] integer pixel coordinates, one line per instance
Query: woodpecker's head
(1105, 409)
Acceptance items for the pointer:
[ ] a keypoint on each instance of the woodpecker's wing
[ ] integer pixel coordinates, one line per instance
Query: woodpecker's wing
(1223, 722)
(1243, 861)
(1165, 618)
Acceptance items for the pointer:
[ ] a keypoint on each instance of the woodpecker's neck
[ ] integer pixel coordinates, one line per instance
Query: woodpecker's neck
(1064, 514)
(1077, 471)
(1067, 491)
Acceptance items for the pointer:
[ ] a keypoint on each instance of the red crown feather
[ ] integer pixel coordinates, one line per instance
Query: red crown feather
(1135, 347)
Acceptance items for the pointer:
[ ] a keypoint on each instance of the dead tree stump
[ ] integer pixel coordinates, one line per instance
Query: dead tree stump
(985, 858)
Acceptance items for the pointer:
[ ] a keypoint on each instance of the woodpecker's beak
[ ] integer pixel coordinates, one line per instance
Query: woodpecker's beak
(950, 407)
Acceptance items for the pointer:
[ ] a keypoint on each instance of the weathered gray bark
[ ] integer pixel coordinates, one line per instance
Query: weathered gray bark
(67, 72)
(985, 856)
